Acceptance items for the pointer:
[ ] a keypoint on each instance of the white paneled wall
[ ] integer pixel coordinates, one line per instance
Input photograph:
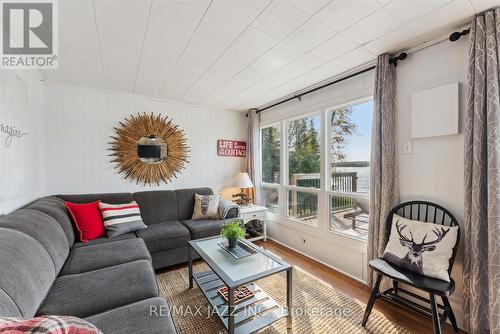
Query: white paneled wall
(80, 120)
(22, 162)
(434, 170)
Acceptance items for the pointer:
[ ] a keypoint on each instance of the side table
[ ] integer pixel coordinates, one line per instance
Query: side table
(255, 212)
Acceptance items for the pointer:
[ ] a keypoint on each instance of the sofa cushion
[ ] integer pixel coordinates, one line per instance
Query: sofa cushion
(104, 240)
(44, 229)
(150, 316)
(85, 294)
(204, 228)
(170, 257)
(185, 200)
(112, 198)
(8, 305)
(54, 207)
(104, 255)
(165, 235)
(27, 272)
(157, 206)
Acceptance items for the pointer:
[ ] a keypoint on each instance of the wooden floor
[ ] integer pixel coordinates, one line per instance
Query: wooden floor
(350, 287)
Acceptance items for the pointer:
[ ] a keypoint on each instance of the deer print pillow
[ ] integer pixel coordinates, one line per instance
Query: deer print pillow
(206, 207)
(421, 247)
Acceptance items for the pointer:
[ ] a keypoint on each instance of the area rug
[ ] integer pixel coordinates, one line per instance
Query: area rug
(317, 307)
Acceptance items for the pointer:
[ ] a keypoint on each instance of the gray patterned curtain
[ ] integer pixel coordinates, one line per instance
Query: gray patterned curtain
(253, 151)
(384, 189)
(482, 178)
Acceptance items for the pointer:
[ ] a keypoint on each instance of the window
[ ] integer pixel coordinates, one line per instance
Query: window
(349, 167)
(304, 152)
(270, 161)
(270, 142)
(304, 160)
(326, 158)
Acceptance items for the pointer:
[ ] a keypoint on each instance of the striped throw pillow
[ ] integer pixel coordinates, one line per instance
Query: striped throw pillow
(121, 218)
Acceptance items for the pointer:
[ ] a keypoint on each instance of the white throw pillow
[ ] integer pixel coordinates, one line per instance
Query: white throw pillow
(206, 207)
(421, 247)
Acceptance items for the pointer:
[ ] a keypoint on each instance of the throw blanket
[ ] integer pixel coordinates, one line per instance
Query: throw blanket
(225, 206)
(51, 324)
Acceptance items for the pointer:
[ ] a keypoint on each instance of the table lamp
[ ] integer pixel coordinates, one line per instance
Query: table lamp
(242, 180)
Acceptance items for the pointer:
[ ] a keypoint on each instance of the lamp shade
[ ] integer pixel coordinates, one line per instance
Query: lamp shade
(242, 180)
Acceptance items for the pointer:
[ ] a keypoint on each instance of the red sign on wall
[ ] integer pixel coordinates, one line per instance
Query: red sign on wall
(231, 148)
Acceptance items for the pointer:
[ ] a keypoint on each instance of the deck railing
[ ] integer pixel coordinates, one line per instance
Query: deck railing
(304, 204)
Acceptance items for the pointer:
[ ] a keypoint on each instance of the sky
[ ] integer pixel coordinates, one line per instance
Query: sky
(358, 145)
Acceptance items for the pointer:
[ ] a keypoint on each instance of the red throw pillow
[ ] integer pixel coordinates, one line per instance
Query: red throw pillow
(88, 220)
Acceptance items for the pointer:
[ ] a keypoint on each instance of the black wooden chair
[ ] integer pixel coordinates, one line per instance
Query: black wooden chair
(431, 213)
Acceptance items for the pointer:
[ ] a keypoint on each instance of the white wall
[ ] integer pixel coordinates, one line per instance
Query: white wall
(79, 121)
(435, 169)
(22, 162)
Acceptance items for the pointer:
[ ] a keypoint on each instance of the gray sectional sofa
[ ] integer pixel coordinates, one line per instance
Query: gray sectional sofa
(110, 282)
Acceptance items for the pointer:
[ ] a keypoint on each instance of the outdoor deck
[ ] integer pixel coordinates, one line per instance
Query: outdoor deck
(342, 224)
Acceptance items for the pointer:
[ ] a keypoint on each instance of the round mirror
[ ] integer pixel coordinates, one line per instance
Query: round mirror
(151, 149)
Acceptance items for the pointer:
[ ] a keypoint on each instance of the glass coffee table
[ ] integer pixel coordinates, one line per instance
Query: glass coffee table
(248, 315)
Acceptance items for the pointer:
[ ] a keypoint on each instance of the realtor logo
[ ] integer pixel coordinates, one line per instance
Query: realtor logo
(29, 34)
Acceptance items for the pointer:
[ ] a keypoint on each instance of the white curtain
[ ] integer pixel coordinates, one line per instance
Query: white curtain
(253, 151)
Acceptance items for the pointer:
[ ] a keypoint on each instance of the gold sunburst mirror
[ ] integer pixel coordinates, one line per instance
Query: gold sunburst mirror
(149, 149)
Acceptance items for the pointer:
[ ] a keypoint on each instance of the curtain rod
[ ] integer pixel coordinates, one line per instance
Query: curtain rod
(299, 96)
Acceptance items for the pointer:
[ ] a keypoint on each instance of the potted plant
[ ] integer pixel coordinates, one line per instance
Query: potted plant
(233, 231)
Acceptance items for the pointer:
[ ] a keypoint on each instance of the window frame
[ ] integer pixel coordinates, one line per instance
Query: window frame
(323, 193)
(286, 185)
(328, 133)
(287, 155)
(331, 193)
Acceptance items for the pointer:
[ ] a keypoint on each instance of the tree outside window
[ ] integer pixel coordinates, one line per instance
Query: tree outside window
(271, 154)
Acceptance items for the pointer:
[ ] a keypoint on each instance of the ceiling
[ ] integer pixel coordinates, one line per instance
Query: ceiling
(238, 54)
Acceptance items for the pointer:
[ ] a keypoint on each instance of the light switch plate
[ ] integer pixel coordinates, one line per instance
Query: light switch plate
(407, 147)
